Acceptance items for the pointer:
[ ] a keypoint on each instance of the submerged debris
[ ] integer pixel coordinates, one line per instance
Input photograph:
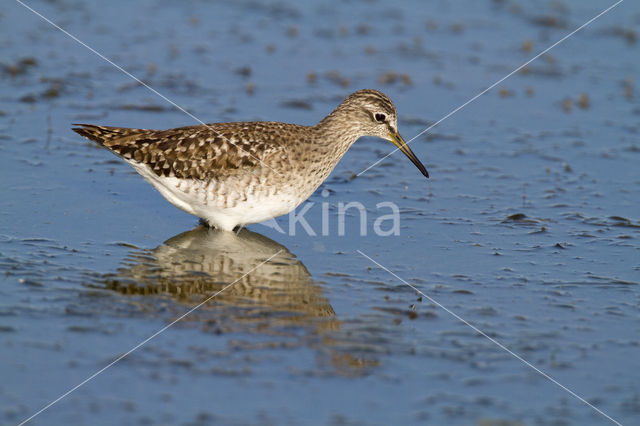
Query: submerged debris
(20, 67)
(297, 104)
(520, 218)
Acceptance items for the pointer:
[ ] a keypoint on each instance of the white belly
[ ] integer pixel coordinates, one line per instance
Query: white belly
(197, 198)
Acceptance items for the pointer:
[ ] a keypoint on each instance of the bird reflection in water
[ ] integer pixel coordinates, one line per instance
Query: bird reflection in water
(278, 298)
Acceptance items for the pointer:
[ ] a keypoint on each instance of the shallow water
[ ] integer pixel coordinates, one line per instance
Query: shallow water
(528, 228)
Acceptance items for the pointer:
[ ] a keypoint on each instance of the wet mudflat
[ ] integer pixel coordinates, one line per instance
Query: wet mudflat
(528, 228)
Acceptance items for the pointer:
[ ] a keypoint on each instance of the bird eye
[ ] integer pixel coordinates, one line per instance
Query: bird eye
(380, 117)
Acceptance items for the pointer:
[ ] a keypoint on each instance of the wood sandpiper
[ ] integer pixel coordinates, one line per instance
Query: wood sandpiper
(235, 174)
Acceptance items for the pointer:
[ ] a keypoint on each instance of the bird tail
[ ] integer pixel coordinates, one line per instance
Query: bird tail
(104, 135)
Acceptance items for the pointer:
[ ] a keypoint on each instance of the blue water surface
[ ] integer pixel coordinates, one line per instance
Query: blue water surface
(527, 230)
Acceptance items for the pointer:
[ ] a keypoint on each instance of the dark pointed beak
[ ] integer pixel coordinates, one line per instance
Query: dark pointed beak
(402, 145)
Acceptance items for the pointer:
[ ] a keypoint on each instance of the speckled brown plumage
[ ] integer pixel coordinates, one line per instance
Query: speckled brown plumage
(195, 152)
(238, 173)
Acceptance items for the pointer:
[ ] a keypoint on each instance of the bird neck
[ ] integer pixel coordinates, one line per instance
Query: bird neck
(338, 131)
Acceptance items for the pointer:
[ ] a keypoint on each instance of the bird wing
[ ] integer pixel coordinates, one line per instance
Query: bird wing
(197, 152)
